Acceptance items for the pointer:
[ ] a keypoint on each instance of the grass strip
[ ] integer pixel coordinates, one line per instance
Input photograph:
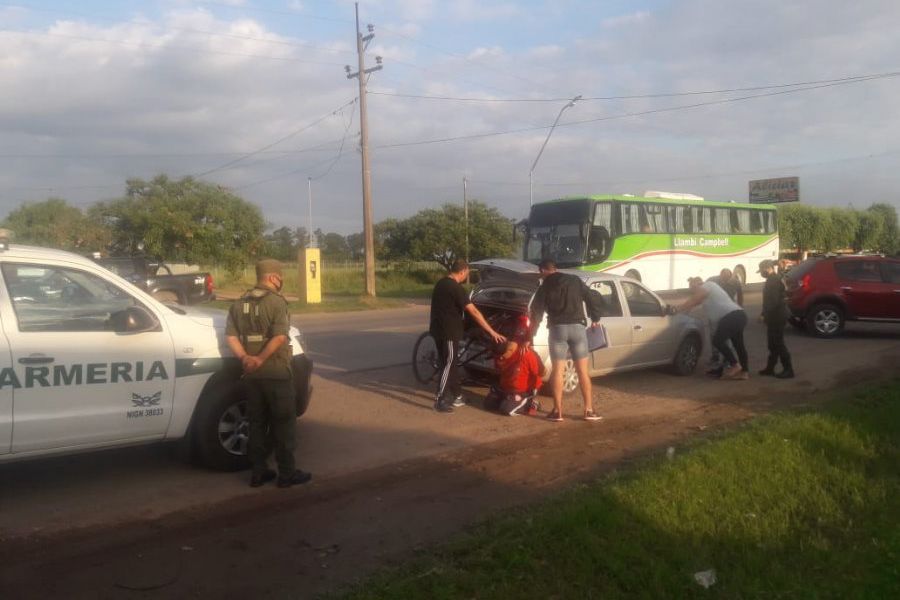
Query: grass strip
(797, 505)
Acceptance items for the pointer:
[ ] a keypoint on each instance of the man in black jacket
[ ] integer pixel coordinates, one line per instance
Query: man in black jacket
(564, 298)
(774, 314)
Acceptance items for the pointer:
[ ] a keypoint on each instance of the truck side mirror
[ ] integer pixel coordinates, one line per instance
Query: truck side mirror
(134, 319)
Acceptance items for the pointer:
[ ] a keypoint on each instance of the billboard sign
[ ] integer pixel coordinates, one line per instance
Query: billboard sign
(770, 191)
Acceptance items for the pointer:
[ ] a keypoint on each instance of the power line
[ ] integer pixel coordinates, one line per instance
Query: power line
(278, 141)
(692, 177)
(280, 153)
(850, 79)
(626, 115)
(109, 19)
(340, 151)
(189, 49)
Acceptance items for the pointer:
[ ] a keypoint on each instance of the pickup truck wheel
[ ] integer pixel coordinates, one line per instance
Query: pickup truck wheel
(222, 430)
(687, 356)
(166, 297)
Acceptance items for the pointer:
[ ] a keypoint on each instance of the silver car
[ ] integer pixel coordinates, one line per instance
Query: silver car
(641, 329)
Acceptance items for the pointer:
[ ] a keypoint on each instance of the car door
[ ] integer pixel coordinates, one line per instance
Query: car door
(75, 381)
(618, 330)
(6, 400)
(862, 286)
(653, 338)
(891, 271)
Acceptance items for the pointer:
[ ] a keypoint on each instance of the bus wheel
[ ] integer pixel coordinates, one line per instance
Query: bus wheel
(633, 274)
(741, 274)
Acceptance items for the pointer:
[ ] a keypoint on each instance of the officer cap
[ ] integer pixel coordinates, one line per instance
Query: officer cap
(267, 266)
(765, 264)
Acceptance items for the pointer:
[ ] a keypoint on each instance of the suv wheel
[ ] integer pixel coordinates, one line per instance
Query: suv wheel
(825, 320)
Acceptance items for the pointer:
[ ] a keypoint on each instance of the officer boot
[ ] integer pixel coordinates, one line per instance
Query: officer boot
(770, 366)
(788, 371)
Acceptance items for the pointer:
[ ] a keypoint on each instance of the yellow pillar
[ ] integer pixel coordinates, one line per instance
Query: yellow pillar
(310, 268)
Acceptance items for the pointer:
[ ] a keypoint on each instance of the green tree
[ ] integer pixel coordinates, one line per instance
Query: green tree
(334, 245)
(840, 226)
(185, 220)
(869, 231)
(281, 244)
(56, 224)
(440, 234)
(801, 227)
(889, 239)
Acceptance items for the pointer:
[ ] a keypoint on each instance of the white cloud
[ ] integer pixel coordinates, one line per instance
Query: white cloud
(546, 52)
(482, 10)
(625, 21)
(162, 99)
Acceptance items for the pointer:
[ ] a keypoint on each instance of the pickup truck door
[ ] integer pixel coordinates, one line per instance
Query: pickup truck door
(6, 399)
(76, 382)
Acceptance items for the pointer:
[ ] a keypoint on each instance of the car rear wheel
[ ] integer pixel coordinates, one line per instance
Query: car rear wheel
(570, 377)
(687, 356)
(825, 320)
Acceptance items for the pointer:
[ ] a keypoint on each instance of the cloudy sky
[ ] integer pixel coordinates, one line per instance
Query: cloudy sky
(252, 95)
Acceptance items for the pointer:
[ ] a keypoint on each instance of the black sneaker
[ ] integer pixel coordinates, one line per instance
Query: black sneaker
(786, 374)
(442, 407)
(715, 373)
(296, 478)
(767, 372)
(259, 478)
(458, 402)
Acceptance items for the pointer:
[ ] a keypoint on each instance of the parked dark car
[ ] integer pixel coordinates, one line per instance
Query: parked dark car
(824, 293)
(157, 279)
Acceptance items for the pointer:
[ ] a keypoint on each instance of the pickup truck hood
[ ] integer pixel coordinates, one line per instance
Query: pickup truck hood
(216, 318)
(211, 317)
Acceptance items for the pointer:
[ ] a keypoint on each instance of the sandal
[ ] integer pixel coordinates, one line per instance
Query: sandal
(554, 416)
(592, 416)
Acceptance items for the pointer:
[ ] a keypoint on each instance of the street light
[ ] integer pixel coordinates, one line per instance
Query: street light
(570, 104)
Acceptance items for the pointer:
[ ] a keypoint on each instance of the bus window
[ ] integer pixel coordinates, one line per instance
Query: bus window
(603, 215)
(771, 221)
(680, 219)
(701, 220)
(723, 220)
(653, 219)
(758, 221)
(630, 218)
(740, 220)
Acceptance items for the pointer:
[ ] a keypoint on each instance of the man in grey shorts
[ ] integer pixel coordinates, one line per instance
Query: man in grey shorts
(564, 298)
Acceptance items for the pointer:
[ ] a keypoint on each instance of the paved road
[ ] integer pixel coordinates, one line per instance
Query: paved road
(368, 412)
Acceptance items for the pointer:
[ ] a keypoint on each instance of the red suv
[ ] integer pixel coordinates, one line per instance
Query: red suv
(824, 293)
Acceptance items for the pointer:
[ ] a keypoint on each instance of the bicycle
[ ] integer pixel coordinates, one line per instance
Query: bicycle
(426, 362)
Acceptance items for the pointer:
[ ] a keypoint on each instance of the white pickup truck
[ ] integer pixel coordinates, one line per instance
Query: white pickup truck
(89, 361)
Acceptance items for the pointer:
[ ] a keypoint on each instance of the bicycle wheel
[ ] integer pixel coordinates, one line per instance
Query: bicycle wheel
(425, 361)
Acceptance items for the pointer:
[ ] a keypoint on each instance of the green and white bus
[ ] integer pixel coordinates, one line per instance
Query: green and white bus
(658, 241)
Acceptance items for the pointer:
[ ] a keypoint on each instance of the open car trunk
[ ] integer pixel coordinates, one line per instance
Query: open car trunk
(503, 294)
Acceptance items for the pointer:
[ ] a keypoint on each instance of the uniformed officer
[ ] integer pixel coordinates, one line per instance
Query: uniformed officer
(774, 314)
(257, 332)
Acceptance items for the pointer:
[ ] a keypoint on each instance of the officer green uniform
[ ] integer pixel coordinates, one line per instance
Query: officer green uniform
(255, 318)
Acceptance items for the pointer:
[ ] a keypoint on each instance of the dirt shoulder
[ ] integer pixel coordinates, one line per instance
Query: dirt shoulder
(301, 542)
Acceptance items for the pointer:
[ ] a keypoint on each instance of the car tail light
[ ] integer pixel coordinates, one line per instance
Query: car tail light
(209, 284)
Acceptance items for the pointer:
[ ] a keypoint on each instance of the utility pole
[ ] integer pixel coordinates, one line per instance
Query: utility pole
(362, 42)
(309, 237)
(544, 145)
(466, 213)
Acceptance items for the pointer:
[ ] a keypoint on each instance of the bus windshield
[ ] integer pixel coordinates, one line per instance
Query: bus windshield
(558, 230)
